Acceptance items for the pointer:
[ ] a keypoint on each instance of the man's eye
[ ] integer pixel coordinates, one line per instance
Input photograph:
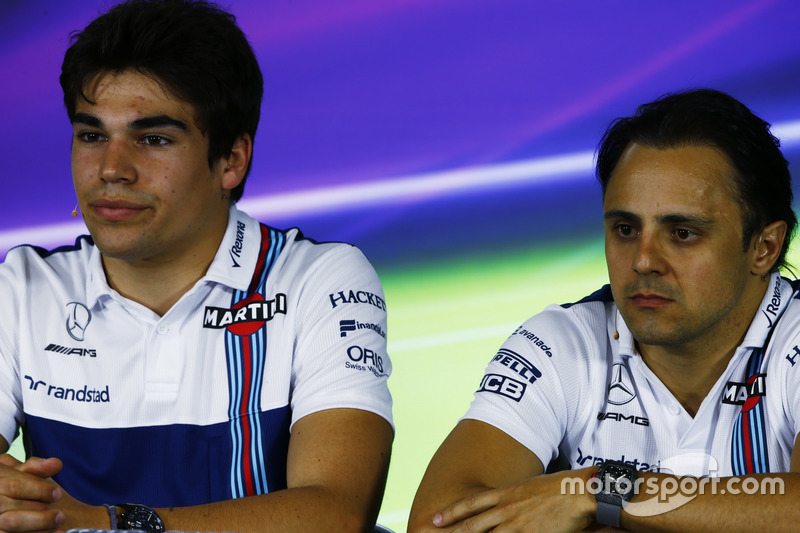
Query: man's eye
(626, 230)
(90, 137)
(154, 140)
(684, 234)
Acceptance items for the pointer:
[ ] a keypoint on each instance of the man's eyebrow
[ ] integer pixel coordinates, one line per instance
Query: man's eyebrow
(620, 213)
(87, 120)
(671, 218)
(156, 121)
(678, 218)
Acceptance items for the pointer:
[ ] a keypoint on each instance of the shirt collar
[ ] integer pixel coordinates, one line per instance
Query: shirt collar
(775, 300)
(97, 287)
(626, 346)
(236, 258)
(233, 265)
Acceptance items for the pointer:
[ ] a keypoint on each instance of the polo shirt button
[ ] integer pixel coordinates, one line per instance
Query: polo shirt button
(162, 330)
(674, 409)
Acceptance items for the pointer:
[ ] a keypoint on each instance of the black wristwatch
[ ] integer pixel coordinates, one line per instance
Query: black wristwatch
(135, 516)
(615, 488)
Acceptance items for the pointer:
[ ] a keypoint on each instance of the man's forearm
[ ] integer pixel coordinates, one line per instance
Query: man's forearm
(670, 503)
(331, 488)
(297, 509)
(662, 503)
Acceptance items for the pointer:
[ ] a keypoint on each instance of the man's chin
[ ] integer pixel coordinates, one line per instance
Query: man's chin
(654, 332)
(123, 252)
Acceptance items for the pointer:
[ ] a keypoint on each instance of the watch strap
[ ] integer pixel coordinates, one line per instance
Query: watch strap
(112, 515)
(610, 496)
(608, 514)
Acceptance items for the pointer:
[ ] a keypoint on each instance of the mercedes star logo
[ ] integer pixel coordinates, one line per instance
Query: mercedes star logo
(78, 319)
(620, 390)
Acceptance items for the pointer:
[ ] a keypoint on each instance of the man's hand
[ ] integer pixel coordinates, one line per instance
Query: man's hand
(536, 504)
(32, 502)
(481, 479)
(27, 497)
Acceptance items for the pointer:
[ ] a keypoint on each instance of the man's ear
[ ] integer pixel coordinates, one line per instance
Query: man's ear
(237, 162)
(767, 246)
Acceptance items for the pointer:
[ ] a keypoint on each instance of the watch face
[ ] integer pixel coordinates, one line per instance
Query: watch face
(141, 517)
(618, 480)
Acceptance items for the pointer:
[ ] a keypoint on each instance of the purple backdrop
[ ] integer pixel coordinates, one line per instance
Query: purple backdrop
(365, 97)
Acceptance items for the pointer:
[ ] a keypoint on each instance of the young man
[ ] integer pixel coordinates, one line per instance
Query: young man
(686, 365)
(185, 368)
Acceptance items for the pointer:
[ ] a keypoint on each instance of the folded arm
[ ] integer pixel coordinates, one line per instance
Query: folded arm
(769, 502)
(481, 479)
(336, 473)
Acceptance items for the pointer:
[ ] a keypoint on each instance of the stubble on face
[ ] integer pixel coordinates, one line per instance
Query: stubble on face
(140, 167)
(677, 269)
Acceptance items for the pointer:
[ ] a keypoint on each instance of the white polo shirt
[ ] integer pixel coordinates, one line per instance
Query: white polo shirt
(197, 405)
(561, 384)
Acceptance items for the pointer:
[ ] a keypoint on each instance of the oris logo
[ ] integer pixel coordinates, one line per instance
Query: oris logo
(620, 390)
(365, 360)
(78, 318)
(365, 355)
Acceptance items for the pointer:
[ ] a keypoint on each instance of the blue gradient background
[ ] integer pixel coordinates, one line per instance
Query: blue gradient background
(359, 91)
(427, 132)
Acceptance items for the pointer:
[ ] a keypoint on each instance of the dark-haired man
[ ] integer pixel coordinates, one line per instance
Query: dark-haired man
(186, 367)
(673, 393)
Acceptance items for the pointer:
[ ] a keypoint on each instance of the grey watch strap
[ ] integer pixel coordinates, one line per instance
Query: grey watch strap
(608, 514)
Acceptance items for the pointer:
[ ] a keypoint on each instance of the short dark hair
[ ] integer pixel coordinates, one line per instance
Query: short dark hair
(193, 48)
(705, 117)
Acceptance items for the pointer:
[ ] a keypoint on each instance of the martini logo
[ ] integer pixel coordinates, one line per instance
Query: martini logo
(746, 394)
(247, 316)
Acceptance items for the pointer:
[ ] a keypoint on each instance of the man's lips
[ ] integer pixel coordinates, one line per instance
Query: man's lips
(113, 210)
(649, 300)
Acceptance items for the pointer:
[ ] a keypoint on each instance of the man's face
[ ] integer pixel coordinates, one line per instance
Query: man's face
(673, 234)
(141, 173)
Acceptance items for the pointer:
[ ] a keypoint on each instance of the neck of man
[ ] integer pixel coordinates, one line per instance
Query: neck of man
(159, 282)
(690, 370)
